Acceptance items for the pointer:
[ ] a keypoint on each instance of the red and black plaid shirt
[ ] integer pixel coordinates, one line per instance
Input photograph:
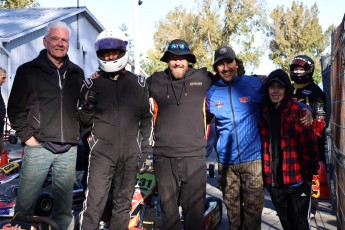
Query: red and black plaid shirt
(298, 144)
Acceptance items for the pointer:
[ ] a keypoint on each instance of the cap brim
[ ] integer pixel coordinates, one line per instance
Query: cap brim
(275, 79)
(230, 57)
(189, 57)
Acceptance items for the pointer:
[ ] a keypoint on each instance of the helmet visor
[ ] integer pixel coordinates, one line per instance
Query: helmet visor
(298, 62)
(110, 44)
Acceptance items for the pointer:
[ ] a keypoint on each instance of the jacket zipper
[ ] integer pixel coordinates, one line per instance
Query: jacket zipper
(61, 107)
(235, 128)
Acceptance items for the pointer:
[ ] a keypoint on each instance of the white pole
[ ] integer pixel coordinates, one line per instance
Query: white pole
(136, 38)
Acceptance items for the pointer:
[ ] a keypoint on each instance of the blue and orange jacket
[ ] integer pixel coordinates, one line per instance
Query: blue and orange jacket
(298, 145)
(236, 107)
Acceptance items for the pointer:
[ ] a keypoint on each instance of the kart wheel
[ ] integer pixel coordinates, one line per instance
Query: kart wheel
(218, 210)
(211, 170)
(13, 139)
(44, 205)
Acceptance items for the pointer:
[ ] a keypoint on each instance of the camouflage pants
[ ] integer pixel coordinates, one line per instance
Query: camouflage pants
(243, 193)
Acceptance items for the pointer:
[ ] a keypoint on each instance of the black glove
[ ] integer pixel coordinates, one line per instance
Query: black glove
(90, 101)
(145, 162)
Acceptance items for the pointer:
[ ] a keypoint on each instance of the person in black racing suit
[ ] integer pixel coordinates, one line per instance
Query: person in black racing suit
(308, 92)
(116, 105)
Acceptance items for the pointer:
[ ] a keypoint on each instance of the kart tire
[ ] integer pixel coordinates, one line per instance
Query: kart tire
(13, 139)
(44, 205)
(211, 170)
(219, 206)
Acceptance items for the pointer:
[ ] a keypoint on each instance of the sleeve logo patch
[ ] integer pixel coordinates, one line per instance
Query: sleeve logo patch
(244, 99)
(219, 104)
(141, 81)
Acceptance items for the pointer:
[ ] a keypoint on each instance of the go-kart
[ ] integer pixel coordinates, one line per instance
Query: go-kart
(10, 171)
(29, 223)
(9, 183)
(9, 180)
(146, 213)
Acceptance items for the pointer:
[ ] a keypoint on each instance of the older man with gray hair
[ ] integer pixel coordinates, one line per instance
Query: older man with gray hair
(42, 109)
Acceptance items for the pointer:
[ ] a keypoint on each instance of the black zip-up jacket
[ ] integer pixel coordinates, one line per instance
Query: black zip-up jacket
(122, 111)
(39, 107)
(311, 95)
(180, 121)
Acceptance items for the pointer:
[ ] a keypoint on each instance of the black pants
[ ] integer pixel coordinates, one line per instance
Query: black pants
(293, 206)
(181, 181)
(106, 168)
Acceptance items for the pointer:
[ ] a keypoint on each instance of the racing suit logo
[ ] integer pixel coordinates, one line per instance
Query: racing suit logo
(244, 99)
(306, 92)
(219, 104)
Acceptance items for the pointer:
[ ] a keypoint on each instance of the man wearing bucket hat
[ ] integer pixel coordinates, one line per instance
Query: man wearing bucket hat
(179, 152)
(235, 101)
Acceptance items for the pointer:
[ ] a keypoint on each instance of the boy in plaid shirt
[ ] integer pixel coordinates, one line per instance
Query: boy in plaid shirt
(290, 153)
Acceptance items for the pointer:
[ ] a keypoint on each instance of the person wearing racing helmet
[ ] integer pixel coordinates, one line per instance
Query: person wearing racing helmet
(179, 152)
(116, 106)
(307, 92)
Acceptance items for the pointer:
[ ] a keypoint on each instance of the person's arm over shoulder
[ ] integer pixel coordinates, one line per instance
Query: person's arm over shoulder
(149, 82)
(22, 97)
(210, 78)
(146, 127)
(309, 156)
(146, 120)
(86, 104)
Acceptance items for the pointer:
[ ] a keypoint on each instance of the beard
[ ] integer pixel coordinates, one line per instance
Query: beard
(178, 73)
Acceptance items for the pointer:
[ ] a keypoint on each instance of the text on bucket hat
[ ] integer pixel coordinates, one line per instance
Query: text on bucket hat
(181, 48)
(223, 52)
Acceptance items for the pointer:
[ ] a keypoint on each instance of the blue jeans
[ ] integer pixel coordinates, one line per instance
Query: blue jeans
(37, 162)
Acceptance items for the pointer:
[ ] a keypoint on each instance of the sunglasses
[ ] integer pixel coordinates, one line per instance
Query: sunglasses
(178, 47)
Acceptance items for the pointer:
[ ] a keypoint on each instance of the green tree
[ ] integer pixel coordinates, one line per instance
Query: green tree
(197, 29)
(11, 4)
(244, 21)
(296, 30)
(124, 29)
(211, 24)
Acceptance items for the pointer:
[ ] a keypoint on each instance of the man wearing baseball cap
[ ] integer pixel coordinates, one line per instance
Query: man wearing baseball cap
(235, 101)
(179, 152)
